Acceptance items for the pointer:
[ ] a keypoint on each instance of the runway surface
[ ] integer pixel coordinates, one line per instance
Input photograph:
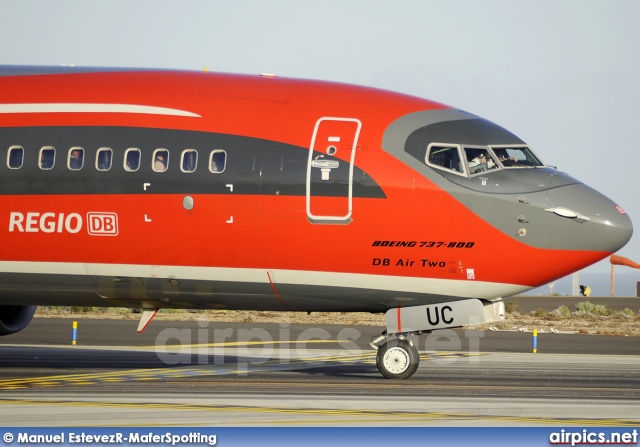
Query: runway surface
(200, 373)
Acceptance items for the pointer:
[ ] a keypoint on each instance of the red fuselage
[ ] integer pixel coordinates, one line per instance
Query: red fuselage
(309, 211)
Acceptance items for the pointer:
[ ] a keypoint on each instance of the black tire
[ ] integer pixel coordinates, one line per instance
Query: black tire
(397, 359)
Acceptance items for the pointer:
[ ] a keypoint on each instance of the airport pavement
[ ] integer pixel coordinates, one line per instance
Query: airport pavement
(283, 375)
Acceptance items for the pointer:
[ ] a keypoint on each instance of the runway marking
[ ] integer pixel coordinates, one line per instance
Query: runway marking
(322, 415)
(251, 365)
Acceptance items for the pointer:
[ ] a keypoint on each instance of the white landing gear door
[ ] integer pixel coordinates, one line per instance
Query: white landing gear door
(444, 315)
(332, 155)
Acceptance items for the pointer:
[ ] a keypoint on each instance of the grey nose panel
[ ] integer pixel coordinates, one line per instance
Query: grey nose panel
(580, 218)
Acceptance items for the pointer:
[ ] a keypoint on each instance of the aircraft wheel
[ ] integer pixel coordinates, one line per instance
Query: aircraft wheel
(397, 359)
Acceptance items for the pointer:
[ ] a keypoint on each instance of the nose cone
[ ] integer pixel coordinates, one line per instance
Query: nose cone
(580, 218)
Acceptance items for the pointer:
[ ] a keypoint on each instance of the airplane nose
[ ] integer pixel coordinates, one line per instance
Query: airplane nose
(580, 218)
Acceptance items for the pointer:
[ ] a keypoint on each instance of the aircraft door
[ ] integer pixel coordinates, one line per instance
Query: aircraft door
(332, 155)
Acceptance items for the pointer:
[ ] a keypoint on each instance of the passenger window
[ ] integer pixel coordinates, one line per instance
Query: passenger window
(103, 159)
(75, 160)
(445, 157)
(160, 160)
(15, 157)
(132, 159)
(479, 160)
(47, 158)
(189, 160)
(217, 161)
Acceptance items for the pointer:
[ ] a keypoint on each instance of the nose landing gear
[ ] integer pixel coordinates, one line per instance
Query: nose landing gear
(397, 359)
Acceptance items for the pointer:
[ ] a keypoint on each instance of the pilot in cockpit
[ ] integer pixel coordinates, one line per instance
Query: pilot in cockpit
(504, 157)
(479, 160)
(476, 157)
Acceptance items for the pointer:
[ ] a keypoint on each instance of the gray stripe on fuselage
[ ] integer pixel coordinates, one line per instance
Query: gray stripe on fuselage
(512, 200)
(497, 202)
(395, 136)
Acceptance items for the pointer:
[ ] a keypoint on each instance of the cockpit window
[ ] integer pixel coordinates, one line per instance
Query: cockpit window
(479, 160)
(475, 160)
(445, 157)
(517, 157)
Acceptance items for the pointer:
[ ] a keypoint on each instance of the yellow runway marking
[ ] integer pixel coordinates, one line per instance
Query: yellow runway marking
(252, 365)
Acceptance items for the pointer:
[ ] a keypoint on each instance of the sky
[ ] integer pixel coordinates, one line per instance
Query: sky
(563, 75)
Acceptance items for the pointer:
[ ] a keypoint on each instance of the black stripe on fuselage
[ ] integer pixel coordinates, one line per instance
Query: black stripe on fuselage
(254, 166)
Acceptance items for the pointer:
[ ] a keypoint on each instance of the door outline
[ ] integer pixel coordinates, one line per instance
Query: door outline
(346, 218)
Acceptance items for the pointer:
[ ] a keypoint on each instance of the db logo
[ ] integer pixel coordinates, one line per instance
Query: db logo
(102, 224)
